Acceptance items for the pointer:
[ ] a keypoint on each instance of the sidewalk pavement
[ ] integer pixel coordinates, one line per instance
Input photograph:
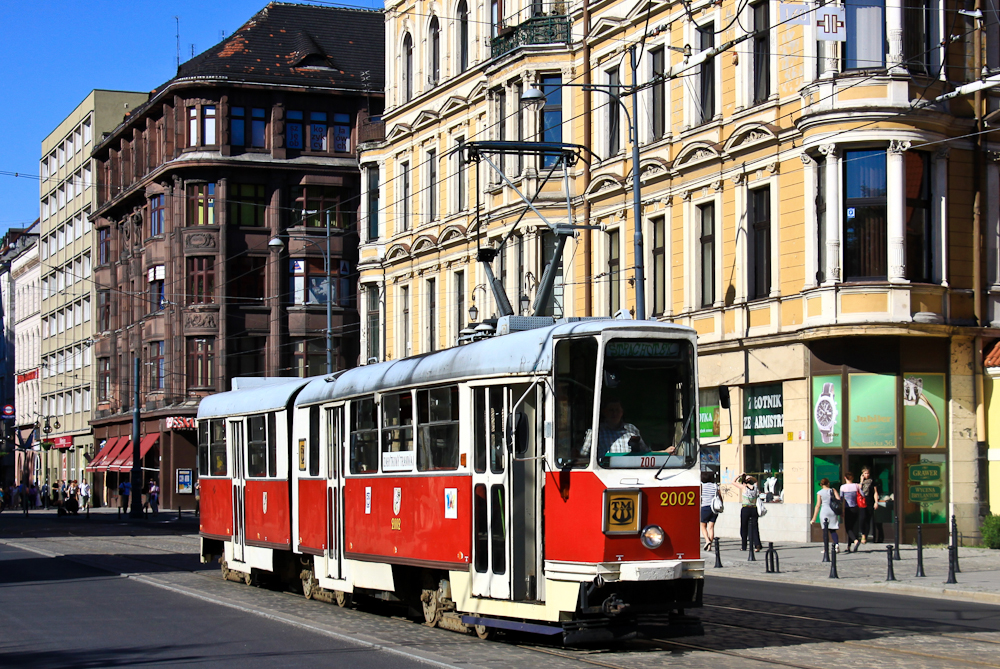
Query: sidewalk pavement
(801, 563)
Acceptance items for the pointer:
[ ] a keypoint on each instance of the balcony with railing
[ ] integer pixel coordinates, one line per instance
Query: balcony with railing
(539, 23)
(371, 129)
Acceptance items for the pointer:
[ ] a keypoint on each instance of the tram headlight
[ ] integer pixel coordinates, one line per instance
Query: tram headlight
(652, 536)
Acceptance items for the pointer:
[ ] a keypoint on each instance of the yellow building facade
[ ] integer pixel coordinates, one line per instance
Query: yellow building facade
(809, 206)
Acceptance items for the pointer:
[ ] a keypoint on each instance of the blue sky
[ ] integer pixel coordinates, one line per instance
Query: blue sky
(56, 51)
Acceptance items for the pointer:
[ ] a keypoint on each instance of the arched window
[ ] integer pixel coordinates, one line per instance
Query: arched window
(434, 35)
(407, 68)
(463, 36)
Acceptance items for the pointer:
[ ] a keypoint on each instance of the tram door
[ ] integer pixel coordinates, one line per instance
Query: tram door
(334, 428)
(491, 503)
(239, 488)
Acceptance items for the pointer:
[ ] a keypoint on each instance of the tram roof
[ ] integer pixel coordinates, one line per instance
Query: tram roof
(266, 394)
(516, 353)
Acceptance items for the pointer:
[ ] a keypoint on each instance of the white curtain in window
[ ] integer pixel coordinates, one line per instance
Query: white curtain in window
(865, 34)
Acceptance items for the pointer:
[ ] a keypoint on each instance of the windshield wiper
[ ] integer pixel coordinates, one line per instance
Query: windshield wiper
(684, 435)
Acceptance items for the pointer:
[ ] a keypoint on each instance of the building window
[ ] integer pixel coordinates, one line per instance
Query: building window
(659, 92)
(208, 125)
(373, 202)
(821, 221)
(192, 113)
(706, 215)
(548, 250)
(463, 36)
(706, 75)
(865, 187)
(460, 301)
(659, 266)
(104, 310)
(759, 229)
(247, 280)
(247, 204)
(865, 34)
(319, 206)
(309, 283)
(432, 186)
(460, 173)
(405, 167)
(342, 133)
(614, 272)
(614, 114)
(917, 48)
(157, 370)
(293, 130)
(317, 131)
(919, 264)
(407, 68)
(551, 114)
(404, 299)
(103, 246)
(157, 298)
(308, 357)
(201, 362)
(103, 379)
(761, 51)
(201, 204)
(245, 356)
(431, 315)
(201, 280)
(501, 97)
(434, 45)
(156, 207)
(237, 126)
(372, 318)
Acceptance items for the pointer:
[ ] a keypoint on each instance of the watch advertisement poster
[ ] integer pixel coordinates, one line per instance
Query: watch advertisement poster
(827, 400)
(923, 411)
(873, 410)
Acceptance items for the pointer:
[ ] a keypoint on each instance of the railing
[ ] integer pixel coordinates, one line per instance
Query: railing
(535, 30)
(371, 130)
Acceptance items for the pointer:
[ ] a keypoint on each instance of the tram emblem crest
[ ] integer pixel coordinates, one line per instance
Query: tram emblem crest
(622, 509)
(397, 498)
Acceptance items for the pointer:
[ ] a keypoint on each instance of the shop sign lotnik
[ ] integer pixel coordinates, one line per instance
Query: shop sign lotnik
(764, 410)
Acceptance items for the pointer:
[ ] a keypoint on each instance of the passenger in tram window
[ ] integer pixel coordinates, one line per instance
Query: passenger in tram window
(614, 435)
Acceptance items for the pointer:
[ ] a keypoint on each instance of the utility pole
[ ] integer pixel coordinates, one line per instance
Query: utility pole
(136, 478)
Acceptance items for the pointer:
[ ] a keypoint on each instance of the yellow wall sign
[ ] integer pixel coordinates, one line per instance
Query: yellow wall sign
(302, 455)
(622, 511)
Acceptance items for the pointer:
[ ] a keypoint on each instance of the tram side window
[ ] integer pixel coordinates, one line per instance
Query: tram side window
(397, 423)
(437, 429)
(272, 445)
(257, 447)
(217, 448)
(203, 448)
(576, 368)
(479, 440)
(364, 437)
(482, 529)
(496, 422)
(313, 441)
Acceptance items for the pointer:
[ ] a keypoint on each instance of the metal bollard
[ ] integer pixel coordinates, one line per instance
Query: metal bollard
(954, 542)
(826, 540)
(771, 559)
(920, 552)
(833, 564)
(895, 529)
(178, 513)
(891, 575)
(951, 565)
(718, 555)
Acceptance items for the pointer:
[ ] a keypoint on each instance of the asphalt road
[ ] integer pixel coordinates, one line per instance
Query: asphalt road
(57, 613)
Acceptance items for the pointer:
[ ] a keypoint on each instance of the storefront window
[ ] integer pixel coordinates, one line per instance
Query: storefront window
(826, 467)
(766, 463)
(926, 499)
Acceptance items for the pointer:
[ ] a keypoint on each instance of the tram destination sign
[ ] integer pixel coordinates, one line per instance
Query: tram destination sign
(642, 348)
(763, 410)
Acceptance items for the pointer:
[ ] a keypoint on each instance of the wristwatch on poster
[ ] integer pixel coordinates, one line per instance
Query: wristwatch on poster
(825, 413)
(913, 395)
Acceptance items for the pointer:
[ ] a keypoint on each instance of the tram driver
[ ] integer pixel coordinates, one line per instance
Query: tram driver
(614, 435)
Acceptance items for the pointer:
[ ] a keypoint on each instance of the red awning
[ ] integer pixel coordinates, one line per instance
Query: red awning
(109, 445)
(125, 465)
(122, 451)
(110, 456)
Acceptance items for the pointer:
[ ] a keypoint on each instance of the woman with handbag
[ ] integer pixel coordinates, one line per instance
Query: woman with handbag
(711, 507)
(850, 492)
(828, 509)
(868, 502)
(749, 530)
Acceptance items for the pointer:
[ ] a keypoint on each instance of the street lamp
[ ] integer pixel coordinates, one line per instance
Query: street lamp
(535, 97)
(276, 244)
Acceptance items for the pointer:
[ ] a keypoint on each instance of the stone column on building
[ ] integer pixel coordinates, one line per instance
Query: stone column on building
(894, 35)
(896, 210)
(833, 213)
(811, 229)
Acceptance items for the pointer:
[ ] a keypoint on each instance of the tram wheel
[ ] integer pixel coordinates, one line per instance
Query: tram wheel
(309, 585)
(248, 578)
(431, 607)
(485, 633)
(343, 599)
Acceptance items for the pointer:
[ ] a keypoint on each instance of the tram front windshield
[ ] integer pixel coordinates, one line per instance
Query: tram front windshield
(645, 391)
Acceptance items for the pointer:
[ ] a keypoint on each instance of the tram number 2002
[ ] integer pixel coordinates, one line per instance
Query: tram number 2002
(678, 498)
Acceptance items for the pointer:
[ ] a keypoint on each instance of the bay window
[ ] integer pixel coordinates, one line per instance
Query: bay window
(865, 209)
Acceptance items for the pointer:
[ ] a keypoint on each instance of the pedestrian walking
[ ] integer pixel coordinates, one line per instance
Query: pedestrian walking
(154, 496)
(124, 492)
(824, 511)
(85, 494)
(868, 502)
(849, 492)
(749, 529)
(709, 493)
(45, 495)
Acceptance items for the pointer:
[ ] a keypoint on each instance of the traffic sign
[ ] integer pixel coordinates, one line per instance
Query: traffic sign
(8, 411)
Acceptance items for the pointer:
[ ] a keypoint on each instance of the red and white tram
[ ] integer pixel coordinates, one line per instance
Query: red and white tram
(463, 482)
